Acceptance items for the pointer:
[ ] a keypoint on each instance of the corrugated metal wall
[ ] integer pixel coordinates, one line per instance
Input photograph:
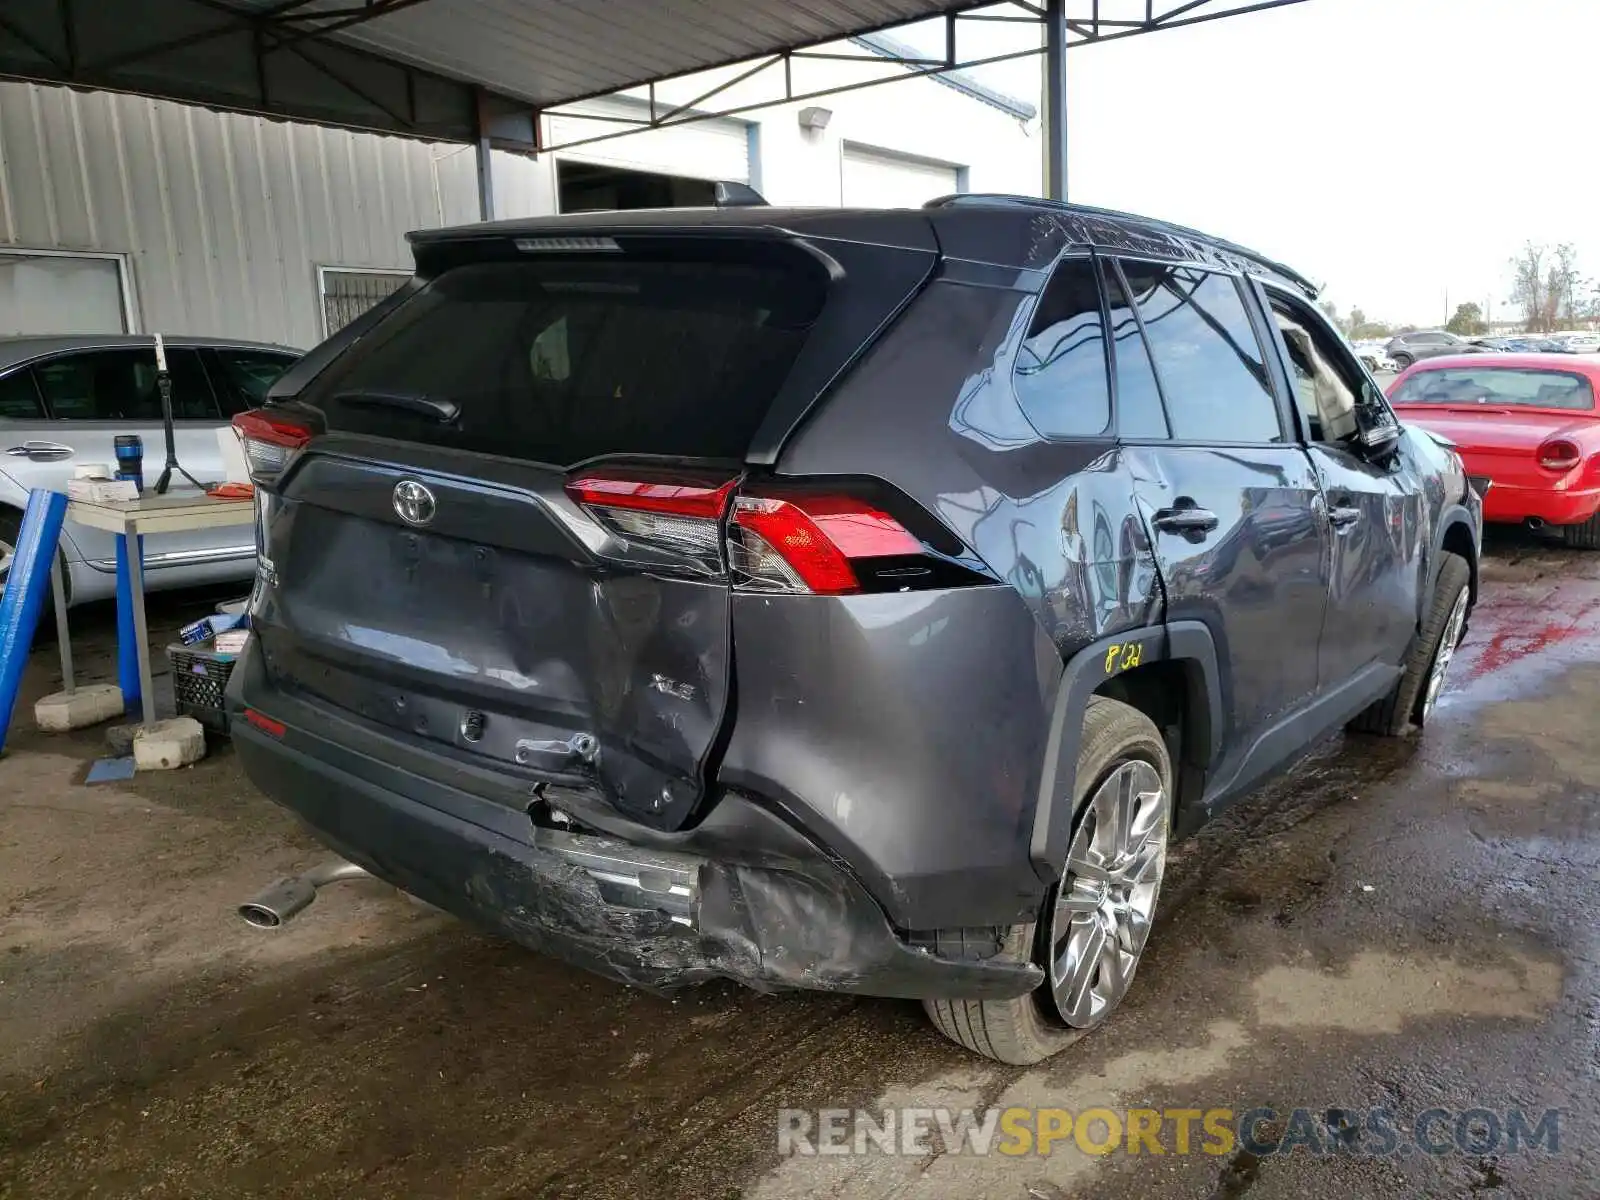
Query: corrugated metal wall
(226, 218)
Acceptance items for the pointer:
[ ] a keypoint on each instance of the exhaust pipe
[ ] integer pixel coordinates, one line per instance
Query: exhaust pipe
(1535, 523)
(278, 903)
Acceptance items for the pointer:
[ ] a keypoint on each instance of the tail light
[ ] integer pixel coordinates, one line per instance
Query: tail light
(796, 538)
(679, 513)
(810, 543)
(271, 441)
(1559, 454)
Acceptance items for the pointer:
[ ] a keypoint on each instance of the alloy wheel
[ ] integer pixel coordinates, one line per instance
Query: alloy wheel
(1446, 652)
(7, 553)
(1107, 897)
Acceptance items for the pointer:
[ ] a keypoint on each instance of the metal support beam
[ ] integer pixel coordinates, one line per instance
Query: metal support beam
(1055, 99)
(485, 152)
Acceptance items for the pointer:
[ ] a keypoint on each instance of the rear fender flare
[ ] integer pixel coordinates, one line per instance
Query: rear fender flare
(1188, 642)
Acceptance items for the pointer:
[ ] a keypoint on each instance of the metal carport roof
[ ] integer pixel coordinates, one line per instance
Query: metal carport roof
(483, 70)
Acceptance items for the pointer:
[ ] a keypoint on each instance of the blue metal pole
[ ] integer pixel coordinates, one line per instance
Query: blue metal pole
(26, 587)
(127, 628)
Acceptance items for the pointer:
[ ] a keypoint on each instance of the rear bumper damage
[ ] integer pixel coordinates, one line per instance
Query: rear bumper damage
(650, 917)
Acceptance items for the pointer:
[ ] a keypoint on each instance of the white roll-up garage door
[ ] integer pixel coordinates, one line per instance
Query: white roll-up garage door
(715, 149)
(879, 179)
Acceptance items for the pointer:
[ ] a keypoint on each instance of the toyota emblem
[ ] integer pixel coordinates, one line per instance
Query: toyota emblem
(413, 502)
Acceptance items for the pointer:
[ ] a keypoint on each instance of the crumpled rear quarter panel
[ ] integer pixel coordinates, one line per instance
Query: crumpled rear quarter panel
(906, 732)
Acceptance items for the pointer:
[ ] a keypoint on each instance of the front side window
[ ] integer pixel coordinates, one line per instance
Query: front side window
(1060, 375)
(1207, 358)
(1325, 381)
(120, 385)
(19, 399)
(1509, 387)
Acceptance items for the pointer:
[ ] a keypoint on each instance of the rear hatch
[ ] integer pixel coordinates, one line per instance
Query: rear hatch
(494, 524)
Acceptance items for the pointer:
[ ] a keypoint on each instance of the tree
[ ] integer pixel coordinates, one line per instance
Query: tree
(1547, 287)
(1530, 287)
(1361, 327)
(1468, 320)
(1561, 284)
(1331, 310)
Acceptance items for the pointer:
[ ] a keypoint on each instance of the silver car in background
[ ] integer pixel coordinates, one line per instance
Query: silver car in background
(63, 401)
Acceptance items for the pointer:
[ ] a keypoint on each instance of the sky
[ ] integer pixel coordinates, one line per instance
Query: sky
(1397, 151)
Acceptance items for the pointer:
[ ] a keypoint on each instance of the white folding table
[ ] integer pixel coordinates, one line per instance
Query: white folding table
(130, 519)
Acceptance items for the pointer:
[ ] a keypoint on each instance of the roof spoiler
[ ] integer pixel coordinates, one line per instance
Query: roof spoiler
(728, 194)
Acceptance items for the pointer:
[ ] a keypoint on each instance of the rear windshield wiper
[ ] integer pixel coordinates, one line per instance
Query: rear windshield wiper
(442, 411)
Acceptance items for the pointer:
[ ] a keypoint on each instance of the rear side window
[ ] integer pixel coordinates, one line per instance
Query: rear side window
(1508, 386)
(1206, 354)
(562, 360)
(1060, 377)
(246, 375)
(1139, 411)
(120, 385)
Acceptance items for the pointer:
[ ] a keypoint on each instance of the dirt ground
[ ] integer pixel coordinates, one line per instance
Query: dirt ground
(1404, 924)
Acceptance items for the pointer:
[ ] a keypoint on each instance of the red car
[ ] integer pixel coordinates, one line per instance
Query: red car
(1527, 423)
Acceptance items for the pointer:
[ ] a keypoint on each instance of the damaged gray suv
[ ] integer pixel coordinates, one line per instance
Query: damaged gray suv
(856, 601)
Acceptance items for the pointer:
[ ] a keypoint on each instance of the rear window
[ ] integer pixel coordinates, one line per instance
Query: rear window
(1508, 386)
(558, 361)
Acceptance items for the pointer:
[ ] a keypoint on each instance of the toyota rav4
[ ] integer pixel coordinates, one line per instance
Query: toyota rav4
(846, 600)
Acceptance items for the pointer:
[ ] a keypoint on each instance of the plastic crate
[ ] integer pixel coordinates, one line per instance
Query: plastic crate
(199, 679)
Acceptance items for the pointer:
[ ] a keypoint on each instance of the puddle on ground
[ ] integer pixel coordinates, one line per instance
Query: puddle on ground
(1378, 992)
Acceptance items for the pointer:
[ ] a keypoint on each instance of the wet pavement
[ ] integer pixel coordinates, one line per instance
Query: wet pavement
(1396, 925)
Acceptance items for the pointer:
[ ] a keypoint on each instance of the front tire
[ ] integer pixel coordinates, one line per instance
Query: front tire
(1095, 922)
(1413, 698)
(1402, 361)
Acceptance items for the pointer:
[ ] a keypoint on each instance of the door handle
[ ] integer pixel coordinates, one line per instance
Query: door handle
(1342, 516)
(41, 451)
(1185, 518)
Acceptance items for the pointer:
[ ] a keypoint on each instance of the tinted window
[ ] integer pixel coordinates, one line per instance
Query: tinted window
(19, 399)
(1206, 354)
(1139, 411)
(120, 385)
(561, 360)
(1061, 367)
(1431, 339)
(245, 376)
(1506, 386)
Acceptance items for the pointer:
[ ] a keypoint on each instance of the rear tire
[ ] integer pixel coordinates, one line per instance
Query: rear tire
(1583, 536)
(1118, 741)
(1394, 715)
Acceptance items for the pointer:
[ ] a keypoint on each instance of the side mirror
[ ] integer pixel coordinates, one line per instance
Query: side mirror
(1377, 430)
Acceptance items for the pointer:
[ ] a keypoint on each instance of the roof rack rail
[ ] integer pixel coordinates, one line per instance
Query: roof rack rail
(1000, 200)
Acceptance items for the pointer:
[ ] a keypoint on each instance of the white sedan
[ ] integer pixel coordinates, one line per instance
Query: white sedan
(1375, 357)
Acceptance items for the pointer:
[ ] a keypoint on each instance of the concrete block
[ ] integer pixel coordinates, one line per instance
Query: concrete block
(164, 745)
(120, 738)
(78, 709)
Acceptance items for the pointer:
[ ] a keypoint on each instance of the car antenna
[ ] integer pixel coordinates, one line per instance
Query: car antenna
(164, 386)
